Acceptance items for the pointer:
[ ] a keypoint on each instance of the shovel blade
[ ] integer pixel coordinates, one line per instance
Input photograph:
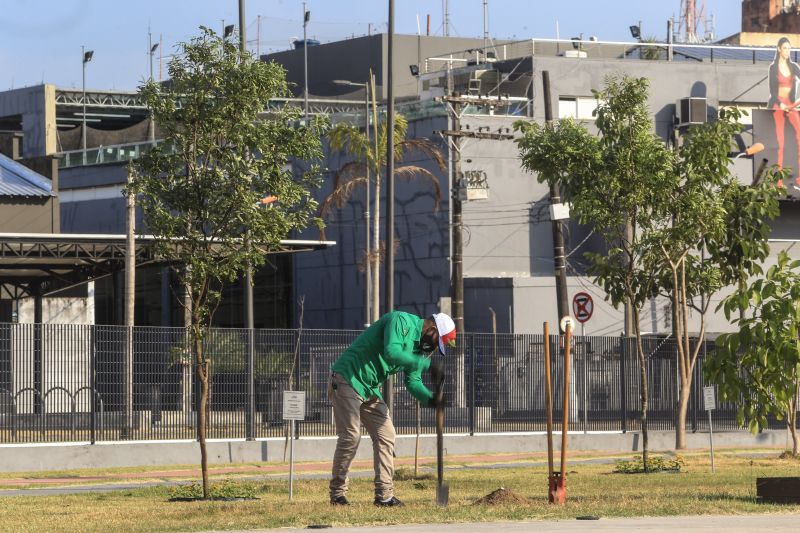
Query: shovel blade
(443, 494)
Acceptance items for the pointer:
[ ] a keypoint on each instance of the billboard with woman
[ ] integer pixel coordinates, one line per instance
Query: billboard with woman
(778, 127)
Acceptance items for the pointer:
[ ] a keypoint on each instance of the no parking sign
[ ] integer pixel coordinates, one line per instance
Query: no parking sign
(582, 307)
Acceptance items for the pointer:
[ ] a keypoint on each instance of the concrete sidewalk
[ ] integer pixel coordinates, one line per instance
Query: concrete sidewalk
(772, 523)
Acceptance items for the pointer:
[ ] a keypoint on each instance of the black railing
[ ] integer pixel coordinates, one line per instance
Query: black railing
(69, 383)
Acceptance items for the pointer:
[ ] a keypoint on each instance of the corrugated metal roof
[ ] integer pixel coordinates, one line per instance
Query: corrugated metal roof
(18, 180)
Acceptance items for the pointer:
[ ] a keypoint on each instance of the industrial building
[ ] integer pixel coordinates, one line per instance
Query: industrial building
(507, 242)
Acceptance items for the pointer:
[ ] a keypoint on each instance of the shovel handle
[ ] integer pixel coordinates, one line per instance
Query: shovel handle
(439, 433)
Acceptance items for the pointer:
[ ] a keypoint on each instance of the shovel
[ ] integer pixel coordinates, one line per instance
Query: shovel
(442, 489)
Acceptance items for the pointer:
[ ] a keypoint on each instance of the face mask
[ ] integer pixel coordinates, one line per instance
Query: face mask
(426, 344)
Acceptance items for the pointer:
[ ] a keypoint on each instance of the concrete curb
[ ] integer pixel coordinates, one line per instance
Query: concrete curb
(46, 457)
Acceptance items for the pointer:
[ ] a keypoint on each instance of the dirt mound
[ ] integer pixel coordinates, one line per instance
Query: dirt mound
(502, 496)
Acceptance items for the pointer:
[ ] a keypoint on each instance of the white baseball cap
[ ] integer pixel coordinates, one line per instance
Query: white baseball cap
(447, 331)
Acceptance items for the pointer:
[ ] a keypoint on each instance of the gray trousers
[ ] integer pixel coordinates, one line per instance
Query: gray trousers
(350, 411)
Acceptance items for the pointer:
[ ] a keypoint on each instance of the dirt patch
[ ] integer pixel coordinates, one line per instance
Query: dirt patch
(503, 496)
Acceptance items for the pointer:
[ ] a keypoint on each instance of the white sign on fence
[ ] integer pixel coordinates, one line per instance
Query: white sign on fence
(709, 401)
(294, 405)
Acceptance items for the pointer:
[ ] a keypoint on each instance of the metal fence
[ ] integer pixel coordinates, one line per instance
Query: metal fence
(71, 383)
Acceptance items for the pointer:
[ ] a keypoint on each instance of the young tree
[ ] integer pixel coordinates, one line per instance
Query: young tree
(758, 367)
(369, 163)
(616, 182)
(200, 189)
(709, 211)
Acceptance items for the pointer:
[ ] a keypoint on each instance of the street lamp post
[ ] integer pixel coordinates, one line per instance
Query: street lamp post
(87, 56)
(368, 269)
(306, 18)
(153, 48)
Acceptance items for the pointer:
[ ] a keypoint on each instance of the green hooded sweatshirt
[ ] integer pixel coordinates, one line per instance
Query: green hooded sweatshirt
(388, 346)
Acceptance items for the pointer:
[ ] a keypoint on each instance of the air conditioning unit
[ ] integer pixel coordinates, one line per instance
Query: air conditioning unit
(692, 110)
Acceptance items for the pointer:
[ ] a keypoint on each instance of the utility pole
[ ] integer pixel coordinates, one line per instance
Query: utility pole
(559, 258)
(454, 136)
(455, 105)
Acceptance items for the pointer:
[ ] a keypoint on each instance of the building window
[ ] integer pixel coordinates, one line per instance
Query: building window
(577, 107)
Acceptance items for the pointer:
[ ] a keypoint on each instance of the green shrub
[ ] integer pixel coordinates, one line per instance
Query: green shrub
(224, 490)
(655, 463)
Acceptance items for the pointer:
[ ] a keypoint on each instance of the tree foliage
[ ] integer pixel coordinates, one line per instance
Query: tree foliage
(757, 367)
(709, 211)
(659, 211)
(200, 189)
(616, 182)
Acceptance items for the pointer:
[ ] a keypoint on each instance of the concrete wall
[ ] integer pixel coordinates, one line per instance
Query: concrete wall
(352, 59)
(28, 215)
(91, 199)
(508, 236)
(331, 280)
(36, 106)
(33, 458)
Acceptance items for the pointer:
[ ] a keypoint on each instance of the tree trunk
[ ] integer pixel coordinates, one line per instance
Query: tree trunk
(791, 418)
(683, 408)
(202, 374)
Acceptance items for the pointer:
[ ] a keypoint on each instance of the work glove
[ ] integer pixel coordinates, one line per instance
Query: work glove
(434, 403)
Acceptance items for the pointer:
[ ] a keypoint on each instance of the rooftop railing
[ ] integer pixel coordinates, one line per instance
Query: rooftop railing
(608, 50)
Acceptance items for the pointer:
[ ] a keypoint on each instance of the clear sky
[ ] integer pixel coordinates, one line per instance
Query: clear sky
(40, 40)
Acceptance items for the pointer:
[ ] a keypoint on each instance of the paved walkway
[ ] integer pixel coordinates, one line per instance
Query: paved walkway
(773, 523)
(705, 524)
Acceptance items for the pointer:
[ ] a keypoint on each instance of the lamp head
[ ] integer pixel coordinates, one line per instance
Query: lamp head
(228, 31)
(87, 56)
(153, 48)
(636, 31)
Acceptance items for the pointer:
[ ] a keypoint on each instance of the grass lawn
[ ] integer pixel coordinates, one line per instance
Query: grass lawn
(592, 489)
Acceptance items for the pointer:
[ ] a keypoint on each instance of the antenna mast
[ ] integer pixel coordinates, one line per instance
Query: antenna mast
(446, 17)
(693, 15)
(485, 27)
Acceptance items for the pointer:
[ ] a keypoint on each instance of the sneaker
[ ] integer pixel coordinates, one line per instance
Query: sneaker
(339, 500)
(392, 502)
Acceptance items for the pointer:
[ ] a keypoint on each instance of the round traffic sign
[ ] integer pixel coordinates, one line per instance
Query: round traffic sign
(582, 307)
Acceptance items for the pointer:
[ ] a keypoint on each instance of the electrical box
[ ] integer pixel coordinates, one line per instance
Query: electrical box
(559, 211)
(474, 185)
(692, 110)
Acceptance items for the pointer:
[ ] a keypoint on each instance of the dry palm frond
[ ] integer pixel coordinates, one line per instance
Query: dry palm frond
(410, 172)
(339, 197)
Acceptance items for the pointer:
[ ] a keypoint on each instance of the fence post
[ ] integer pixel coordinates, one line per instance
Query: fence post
(299, 423)
(250, 415)
(93, 382)
(472, 354)
(585, 345)
(623, 405)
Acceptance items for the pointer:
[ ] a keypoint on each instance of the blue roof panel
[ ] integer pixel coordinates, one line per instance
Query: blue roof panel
(18, 180)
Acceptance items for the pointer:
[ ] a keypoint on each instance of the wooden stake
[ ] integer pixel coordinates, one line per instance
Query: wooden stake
(548, 400)
(565, 420)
